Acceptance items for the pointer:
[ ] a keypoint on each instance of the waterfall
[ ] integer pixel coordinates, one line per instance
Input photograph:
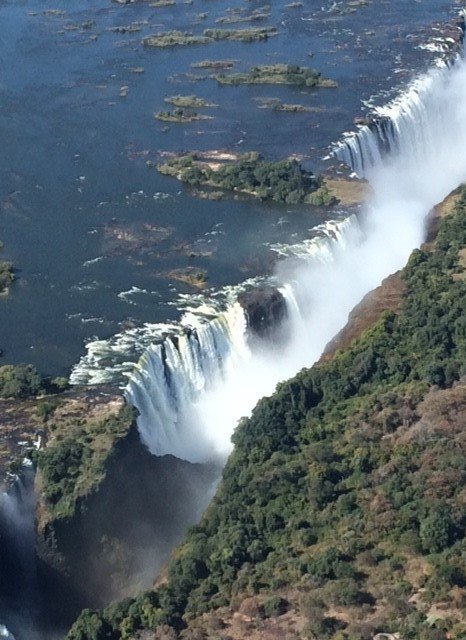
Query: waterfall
(174, 378)
(406, 125)
(18, 587)
(4, 633)
(170, 377)
(192, 391)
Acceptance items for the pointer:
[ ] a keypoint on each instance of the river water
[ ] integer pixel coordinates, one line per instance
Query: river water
(93, 231)
(90, 229)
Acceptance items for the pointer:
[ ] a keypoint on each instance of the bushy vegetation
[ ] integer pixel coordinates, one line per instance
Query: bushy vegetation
(179, 38)
(277, 74)
(235, 17)
(165, 39)
(283, 181)
(213, 64)
(24, 381)
(347, 485)
(180, 115)
(19, 381)
(6, 275)
(243, 35)
(73, 462)
(187, 102)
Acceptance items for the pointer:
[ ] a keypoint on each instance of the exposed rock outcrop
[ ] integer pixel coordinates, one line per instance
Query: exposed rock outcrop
(265, 309)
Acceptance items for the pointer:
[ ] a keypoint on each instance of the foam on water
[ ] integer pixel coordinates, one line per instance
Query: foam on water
(191, 392)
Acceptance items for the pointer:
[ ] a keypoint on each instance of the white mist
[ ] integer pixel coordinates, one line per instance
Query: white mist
(193, 412)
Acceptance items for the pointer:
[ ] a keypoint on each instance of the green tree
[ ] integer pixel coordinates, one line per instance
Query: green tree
(19, 381)
(435, 531)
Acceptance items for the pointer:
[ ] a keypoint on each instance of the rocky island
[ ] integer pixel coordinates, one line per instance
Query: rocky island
(177, 38)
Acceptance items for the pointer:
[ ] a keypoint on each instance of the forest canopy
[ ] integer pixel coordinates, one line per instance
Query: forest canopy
(344, 495)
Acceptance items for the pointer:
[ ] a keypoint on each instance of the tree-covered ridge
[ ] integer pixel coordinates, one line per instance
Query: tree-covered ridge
(73, 463)
(283, 181)
(343, 500)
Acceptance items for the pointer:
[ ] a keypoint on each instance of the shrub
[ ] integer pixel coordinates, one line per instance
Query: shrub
(274, 606)
(19, 381)
(435, 531)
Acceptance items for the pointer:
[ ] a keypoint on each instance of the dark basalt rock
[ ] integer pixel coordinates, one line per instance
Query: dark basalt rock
(265, 309)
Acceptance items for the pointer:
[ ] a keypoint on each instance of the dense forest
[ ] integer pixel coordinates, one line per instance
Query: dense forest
(341, 510)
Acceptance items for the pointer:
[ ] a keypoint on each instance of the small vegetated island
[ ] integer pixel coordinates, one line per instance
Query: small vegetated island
(190, 102)
(241, 15)
(213, 64)
(288, 74)
(6, 275)
(180, 115)
(283, 181)
(183, 38)
(275, 104)
(184, 109)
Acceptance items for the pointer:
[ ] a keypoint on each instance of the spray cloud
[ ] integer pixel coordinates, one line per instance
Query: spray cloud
(190, 396)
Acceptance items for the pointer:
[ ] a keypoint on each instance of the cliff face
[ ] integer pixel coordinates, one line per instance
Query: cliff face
(39, 422)
(389, 295)
(106, 517)
(35, 564)
(341, 510)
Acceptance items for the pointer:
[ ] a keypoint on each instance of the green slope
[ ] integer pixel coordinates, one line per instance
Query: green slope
(343, 502)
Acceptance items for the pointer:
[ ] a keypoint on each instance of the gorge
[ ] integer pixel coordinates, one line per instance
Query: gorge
(196, 378)
(190, 392)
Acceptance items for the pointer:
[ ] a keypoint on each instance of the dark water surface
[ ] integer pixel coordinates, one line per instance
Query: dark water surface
(92, 231)
(83, 218)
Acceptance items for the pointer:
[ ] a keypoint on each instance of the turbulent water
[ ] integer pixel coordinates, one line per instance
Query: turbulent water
(18, 588)
(4, 633)
(394, 130)
(187, 387)
(74, 151)
(191, 391)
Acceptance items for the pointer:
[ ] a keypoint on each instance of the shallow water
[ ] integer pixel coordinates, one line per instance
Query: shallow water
(73, 179)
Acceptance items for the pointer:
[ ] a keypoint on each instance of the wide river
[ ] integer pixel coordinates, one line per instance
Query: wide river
(93, 232)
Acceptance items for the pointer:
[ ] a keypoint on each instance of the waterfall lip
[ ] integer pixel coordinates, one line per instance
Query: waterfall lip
(350, 150)
(312, 247)
(364, 149)
(112, 361)
(181, 370)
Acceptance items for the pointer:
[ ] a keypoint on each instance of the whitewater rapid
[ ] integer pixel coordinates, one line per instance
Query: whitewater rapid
(193, 384)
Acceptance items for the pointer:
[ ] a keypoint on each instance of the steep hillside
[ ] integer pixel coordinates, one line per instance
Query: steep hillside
(341, 513)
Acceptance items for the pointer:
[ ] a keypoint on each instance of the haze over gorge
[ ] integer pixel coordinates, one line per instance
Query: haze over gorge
(178, 314)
